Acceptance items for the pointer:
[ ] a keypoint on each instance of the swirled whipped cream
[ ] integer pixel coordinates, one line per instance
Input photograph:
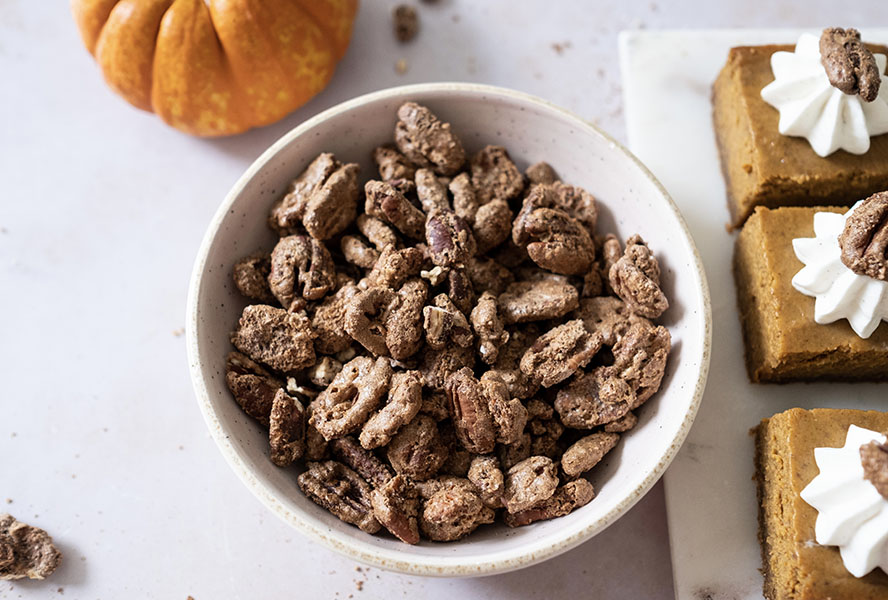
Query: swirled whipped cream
(839, 292)
(812, 108)
(851, 513)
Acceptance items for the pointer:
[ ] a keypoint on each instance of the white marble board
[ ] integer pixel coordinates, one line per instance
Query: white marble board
(710, 495)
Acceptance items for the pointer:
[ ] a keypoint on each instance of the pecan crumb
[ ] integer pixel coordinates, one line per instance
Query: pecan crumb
(406, 21)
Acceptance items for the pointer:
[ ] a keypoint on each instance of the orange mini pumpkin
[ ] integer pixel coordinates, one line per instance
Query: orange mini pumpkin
(216, 67)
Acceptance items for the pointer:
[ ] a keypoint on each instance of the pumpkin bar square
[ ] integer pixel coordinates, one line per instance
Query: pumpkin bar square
(783, 342)
(794, 565)
(761, 166)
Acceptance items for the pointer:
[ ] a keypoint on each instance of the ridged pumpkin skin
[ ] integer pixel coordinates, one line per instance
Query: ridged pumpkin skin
(218, 67)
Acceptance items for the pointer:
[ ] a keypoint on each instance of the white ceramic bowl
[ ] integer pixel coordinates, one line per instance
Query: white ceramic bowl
(631, 200)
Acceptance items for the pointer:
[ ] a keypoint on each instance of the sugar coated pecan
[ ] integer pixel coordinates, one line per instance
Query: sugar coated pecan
(566, 499)
(486, 475)
(874, 458)
(386, 322)
(465, 204)
(587, 452)
(470, 411)
(376, 230)
(623, 424)
(272, 336)
(417, 450)
(396, 507)
(300, 266)
(525, 301)
(350, 453)
(512, 454)
(607, 316)
(437, 365)
(444, 323)
(404, 402)
(635, 278)
(492, 225)
(340, 490)
(541, 172)
(432, 193)
(558, 353)
(394, 267)
(426, 141)
(251, 385)
(250, 276)
(25, 551)
(333, 206)
(487, 275)
(392, 164)
(509, 415)
(328, 321)
(449, 238)
(286, 434)
(453, 513)
(288, 212)
(640, 359)
(494, 175)
(459, 289)
(387, 203)
(507, 365)
(558, 242)
(864, 240)
(355, 392)
(594, 398)
(849, 64)
(529, 483)
(575, 202)
(357, 252)
(488, 327)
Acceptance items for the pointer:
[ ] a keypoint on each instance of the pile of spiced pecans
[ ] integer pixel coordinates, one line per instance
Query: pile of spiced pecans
(465, 345)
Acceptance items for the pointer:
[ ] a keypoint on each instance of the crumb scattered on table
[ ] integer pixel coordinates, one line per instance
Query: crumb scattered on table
(401, 66)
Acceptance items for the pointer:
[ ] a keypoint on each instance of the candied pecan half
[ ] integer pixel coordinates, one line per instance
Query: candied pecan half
(607, 316)
(431, 192)
(417, 450)
(394, 267)
(392, 164)
(492, 225)
(340, 490)
(509, 415)
(404, 402)
(287, 213)
(874, 458)
(640, 358)
(275, 337)
(529, 483)
(396, 506)
(594, 398)
(459, 289)
(286, 434)
(355, 251)
(365, 463)
(251, 385)
(426, 141)
(507, 365)
(470, 411)
(465, 204)
(486, 475)
(250, 276)
(25, 551)
(300, 261)
(328, 321)
(559, 243)
(849, 64)
(525, 301)
(488, 327)
(623, 424)
(376, 230)
(487, 275)
(566, 499)
(541, 172)
(355, 392)
(558, 353)
(494, 175)
(437, 365)
(635, 278)
(587, 452)
(444, 323)
(387, 203)
(575, 202)
(450, 239)
(864, 240)
(333, 206)
(397, 326)
(453, 513)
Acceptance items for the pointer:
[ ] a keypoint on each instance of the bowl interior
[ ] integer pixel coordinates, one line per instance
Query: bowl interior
(631, 202)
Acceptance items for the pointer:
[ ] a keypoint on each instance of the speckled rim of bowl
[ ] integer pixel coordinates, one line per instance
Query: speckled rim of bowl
(367, 553)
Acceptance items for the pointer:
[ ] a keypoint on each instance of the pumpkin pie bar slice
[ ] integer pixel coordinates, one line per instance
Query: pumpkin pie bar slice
(795, 566)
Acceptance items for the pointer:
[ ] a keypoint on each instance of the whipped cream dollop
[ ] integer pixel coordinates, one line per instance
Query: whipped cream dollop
(839, 292)
(812, 108)
(851, 514)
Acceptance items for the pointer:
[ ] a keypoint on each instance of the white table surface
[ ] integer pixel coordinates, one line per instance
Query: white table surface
(101, 212)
